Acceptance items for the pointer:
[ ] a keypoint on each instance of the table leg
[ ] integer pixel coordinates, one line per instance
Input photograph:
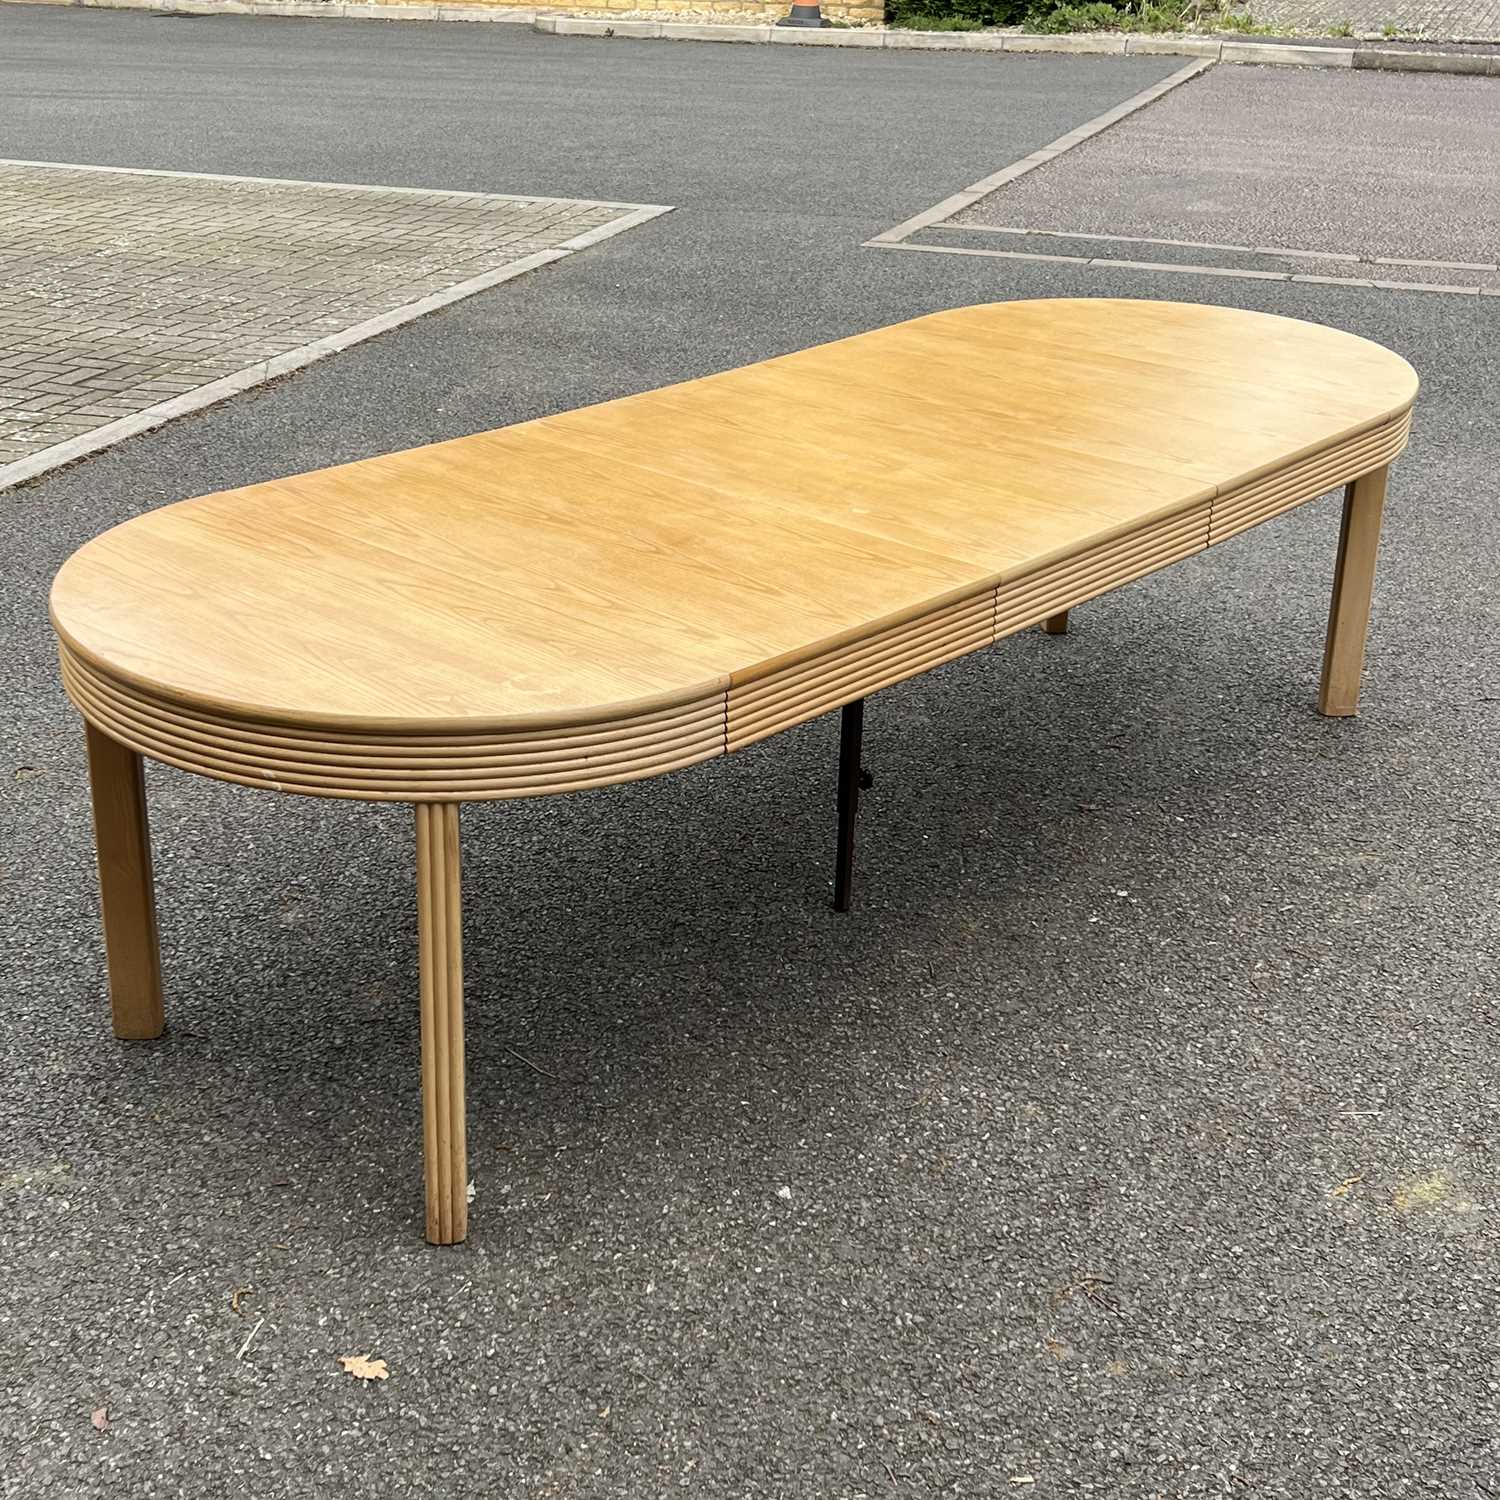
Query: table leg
(853, 778)
(123, 845)
(439, 923)
(1056, 624)
(1353, 582)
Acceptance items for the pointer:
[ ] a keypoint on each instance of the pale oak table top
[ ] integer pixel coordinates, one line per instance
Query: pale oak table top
(616, 590)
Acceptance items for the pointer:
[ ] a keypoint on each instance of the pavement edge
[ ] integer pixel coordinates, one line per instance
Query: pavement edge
(1263, 52)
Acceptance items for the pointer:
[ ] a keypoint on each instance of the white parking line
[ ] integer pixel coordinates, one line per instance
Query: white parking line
(959, 201)
(1101, 262)
(1278, 251)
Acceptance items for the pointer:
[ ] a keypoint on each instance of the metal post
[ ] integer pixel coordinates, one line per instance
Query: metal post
(853, 779)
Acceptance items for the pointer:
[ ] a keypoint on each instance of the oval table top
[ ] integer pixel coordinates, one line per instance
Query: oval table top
(636, 562)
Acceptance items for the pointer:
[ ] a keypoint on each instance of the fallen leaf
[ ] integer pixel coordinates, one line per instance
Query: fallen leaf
(26, 773)
(100, 1419)
(1117, 1367)
(362, 1367)
(234, 1299)
(1342, 1190)
(1056, 1348)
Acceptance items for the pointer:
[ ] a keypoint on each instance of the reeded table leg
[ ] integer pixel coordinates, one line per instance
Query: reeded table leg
(123, 843)
(1056, 624)
(439, 922)
(1353, 582)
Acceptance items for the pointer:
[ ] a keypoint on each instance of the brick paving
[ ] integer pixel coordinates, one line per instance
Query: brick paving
(121, 290)
(1416, 20)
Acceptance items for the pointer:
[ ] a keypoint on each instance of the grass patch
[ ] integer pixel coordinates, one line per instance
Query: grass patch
(1243, 23)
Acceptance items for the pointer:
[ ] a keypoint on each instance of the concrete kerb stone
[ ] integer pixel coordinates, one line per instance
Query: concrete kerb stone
(602, 26)
(1431, 62)
(1260, 53)
(1173, 46)
(1103, 41)
(833, 36)
(937, 41)
(486, 13)
(1276, 54)
(1287, 55)
(708, 31)
(965, 41)
(364, 12)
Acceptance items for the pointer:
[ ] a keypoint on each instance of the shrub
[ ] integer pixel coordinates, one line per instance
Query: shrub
(1065, 15)
(924, 20)
(1093, 15)
(954, 15)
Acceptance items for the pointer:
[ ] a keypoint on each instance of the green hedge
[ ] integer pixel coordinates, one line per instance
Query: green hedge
(1050, 15)
(955, 15)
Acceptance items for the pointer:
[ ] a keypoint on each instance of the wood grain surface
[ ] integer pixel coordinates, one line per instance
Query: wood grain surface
(615, 591)
(122, 842)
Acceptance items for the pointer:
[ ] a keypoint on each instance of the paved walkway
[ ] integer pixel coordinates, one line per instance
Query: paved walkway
(120, 290)
(1418, 20)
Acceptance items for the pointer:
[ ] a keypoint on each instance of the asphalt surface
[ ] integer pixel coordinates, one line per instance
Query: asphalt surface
(1363, 163)
(1154, 977)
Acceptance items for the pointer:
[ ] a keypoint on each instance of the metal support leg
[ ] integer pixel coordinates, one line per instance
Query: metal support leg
(853, 778)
